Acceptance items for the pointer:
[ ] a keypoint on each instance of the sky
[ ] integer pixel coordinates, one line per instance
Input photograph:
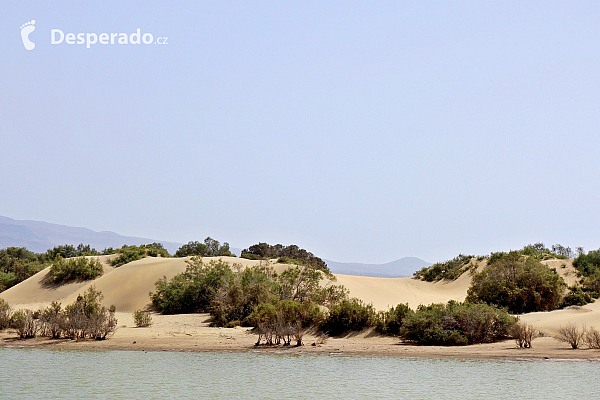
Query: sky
(360, 131)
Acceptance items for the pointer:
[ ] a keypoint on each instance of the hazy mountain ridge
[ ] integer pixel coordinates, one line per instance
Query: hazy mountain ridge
(39, 236)
(396, 269)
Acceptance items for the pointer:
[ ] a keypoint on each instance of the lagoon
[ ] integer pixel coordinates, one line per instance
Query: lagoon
(51, 374)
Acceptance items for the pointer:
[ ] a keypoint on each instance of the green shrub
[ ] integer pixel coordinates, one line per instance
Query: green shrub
(588, 264)
(142, 318)
(193, 290)
(576, 296)
(240, 292)
(389, 322)
(192, 248)
(520, 283)
(210, 248)
(18, 264)
(456, 324)
(81, 268)
(349, 315)
(129, 254)
(69, 251)
(5, 314)
(7, 280)
(449, 270)
(291, 254)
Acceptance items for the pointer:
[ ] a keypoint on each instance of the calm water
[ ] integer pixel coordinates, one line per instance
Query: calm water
(44, 374)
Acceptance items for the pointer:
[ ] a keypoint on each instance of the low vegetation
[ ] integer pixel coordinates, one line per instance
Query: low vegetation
(456, 324)
(449, 270)
(592, 338)
(18, 264)
(5, 314)
(572, 334)
(389, 322)
(79, 268)
(350, 315)
(291, 254)
(210, 248)
(523, 334)
(284, 321)
(142, 318)
(517, 282)
(85, 318)
(129, 254)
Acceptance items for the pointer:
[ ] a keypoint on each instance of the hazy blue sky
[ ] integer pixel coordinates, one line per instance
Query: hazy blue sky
(361, 131)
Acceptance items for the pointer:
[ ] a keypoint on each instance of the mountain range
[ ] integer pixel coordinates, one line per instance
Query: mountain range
(39, 236)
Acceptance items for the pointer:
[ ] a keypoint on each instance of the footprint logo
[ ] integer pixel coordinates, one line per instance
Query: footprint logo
(26, 29)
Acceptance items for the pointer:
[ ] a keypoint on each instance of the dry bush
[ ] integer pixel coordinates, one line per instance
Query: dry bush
(5, 313)
(592, 338)
(571, 334)
(142, 318)
(523, 334)
(24, 324)
(51, 320)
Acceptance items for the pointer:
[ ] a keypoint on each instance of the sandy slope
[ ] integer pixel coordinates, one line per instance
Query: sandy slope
(388, 292)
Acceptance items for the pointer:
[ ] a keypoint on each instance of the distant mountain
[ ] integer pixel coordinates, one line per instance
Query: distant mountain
(40, 236)
(396, 269)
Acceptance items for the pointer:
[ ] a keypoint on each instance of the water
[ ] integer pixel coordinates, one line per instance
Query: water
(45, 374)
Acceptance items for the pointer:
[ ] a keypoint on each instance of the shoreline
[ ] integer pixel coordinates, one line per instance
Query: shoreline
(191, 333)
(299, 352)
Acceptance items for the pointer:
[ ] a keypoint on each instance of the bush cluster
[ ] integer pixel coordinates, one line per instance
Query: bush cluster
(210, 248)
(520, 283)
(456, 324)
(588, 268)
(5, 314)
(283, 321)
(80, 268)
(86, 317)
(449, 270)
(523, 334)
(577, 296)
(18, 264)
(350, 315)
(234, 295)
(70, 251)
(142, 318)
(389, 322)
(129, 254)
(291, 254)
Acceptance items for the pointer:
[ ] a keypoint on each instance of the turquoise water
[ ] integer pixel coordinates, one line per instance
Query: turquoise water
(45, 374)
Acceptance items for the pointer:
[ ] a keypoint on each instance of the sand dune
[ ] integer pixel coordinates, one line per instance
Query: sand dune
(388, 292)
(128, 288)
